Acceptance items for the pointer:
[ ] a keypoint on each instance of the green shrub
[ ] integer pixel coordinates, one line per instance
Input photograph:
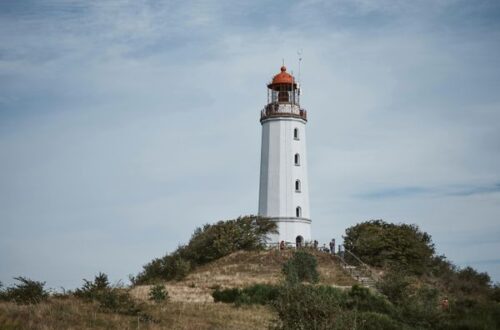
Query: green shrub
(256, 294)
(420, 309)
(471, 314)
(158, 293)
(226, 295)
(399, 246)
(394, 286)
(26, 291)
(110, 299)
(3, 294)
(495, 293)
(90, 289)
(362, 299)
(310, 307)
(208, 244)
(376, 321)
(302, 306)
(301, 267)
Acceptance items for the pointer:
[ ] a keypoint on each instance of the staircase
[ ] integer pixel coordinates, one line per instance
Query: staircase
(358, 270)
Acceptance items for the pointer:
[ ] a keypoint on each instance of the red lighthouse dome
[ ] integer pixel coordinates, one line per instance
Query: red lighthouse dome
(282, 78)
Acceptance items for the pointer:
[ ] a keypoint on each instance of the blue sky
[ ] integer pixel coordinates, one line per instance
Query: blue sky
(126, 124)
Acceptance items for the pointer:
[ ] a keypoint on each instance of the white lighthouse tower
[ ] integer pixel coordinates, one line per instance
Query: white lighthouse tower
(284, 191)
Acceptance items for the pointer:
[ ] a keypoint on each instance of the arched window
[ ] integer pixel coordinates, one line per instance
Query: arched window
(297, 159)
(297, 185)
(296, 134)
(298, 212)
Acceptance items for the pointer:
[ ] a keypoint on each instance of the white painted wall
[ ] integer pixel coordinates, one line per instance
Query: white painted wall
(278, 172)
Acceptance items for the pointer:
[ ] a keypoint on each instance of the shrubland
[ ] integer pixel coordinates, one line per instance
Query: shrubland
(414, 284)
(209, 243)
(419, 289)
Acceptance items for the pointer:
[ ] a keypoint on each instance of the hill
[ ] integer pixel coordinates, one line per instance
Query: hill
(190, 304)
(259, 288)
(242, 269)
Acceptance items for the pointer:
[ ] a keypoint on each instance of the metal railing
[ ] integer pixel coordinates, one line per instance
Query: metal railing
(355, 263)
(283, 110)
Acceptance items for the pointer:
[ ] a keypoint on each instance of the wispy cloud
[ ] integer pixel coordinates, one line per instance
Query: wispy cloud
(454, 190)
(126, 114)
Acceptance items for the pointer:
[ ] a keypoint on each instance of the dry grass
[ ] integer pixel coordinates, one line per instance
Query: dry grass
(191, 304)
(242, 269)
(72, 313)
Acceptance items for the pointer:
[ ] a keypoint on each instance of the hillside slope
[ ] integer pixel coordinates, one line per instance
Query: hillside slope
(244, 268)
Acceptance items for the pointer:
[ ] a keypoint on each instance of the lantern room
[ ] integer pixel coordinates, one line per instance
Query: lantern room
(283, 89)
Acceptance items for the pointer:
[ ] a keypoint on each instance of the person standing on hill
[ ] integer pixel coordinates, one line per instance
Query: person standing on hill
(332, 246)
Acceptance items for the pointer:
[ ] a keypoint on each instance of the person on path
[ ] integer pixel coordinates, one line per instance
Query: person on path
(332, 246)
(445, 304)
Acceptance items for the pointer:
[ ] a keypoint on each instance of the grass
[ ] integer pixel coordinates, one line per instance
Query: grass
(190, 304)
(72, 313)
(242, 269)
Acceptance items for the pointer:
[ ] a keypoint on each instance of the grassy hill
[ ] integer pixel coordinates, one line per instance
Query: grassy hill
(190, 305)
(261, 289)
(242, 269)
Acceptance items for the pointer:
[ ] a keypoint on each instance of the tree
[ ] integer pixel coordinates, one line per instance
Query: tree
(381, 244)
(207, 244)
(26, 291)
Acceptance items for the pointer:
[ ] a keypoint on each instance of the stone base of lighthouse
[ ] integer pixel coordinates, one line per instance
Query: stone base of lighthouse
(291, 230)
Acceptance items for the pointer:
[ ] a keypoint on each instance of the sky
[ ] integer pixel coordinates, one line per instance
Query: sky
(124, 125)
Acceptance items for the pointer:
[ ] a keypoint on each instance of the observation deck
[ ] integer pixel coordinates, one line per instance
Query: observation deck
(277, 109)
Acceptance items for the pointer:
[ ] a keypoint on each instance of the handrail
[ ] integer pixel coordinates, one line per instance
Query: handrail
(372, 272)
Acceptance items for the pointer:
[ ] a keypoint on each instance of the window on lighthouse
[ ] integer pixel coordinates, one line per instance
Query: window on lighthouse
(297, 159)
(298, 212)
(297, 185)
(296, 134)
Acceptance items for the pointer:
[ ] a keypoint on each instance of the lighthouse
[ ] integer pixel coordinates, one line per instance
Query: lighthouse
(284, 191)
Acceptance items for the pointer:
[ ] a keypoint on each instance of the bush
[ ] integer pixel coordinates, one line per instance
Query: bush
(90, 290)
(399, 246)
(471, 314)
(226, 295)
(208, 244)
(376, 321)
(256, 294)
(158, 293)
(110, 299)
(394, 286)
(3, 294)
(495, 293)
(26, 292)
(323, 307)
(301, 267)
(311, 307)
(361, 299)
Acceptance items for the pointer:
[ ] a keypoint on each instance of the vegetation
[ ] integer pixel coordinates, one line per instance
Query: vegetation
(74, 313)
(208, 244)
(110, 299)
(26, 291)
(427, 290)
(158, 293)
(301, 267)
(262, 294)
(418, 289)
(388, 245)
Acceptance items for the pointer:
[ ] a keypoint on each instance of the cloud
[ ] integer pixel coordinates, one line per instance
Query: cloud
(124, 125)
(460, 190)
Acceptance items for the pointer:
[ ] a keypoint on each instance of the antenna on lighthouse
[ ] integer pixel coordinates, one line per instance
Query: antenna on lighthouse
(299, 54)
